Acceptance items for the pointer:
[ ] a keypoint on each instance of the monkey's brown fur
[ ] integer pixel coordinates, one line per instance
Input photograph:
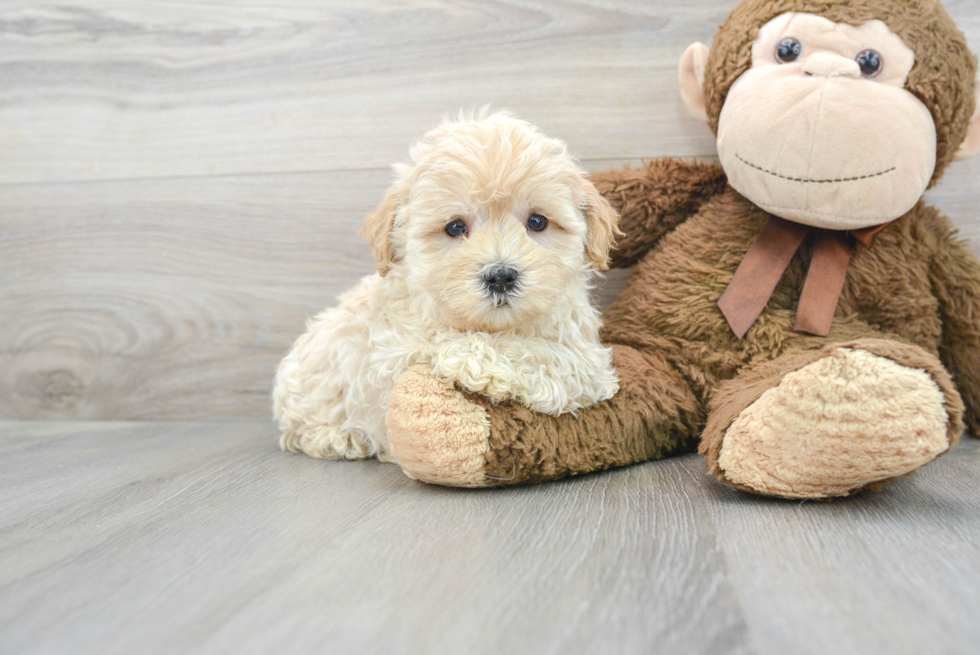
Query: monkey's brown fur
(913, 297)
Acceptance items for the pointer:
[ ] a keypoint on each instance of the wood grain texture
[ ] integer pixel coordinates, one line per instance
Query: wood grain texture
(109, 90)
(181, 183)
(203, 538)
(127, 301)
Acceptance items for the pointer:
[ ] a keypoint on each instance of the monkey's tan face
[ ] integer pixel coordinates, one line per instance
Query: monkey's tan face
(820, 129)
(494, 229)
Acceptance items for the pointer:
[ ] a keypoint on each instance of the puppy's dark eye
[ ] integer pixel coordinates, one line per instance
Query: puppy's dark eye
(870, 63)
(537, 222)
(788, 50)
(456, 228)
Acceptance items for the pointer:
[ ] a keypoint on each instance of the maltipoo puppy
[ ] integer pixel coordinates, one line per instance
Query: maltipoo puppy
(485, 246)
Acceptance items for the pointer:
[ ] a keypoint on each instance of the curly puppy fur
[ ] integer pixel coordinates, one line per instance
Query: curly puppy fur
(432, 301)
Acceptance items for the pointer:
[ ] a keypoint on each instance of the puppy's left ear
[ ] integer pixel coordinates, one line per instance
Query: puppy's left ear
(379, 225)
(602, 223)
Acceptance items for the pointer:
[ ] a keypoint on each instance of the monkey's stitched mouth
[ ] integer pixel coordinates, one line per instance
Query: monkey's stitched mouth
(807, 180)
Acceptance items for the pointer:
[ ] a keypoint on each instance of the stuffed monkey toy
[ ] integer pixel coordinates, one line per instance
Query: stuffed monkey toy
(797, 311)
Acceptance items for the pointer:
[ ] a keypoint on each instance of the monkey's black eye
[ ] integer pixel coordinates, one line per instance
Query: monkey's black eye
(870, 63)
(537, 222)
(789, 49)
(456, 228)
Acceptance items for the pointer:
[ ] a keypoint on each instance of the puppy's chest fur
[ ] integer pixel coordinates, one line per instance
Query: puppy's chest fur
(553, 365)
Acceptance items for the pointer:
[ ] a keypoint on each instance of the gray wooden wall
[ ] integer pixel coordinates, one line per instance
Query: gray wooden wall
(181, 183)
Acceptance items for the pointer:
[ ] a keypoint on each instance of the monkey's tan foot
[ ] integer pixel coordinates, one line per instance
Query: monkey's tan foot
(435, 433)
(846, 421)
(326, 442)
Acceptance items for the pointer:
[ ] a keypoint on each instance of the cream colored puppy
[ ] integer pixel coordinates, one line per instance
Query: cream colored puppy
(486, 246)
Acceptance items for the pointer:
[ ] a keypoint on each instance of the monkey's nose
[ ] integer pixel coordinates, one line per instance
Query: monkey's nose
(501, 279)
(825, 65)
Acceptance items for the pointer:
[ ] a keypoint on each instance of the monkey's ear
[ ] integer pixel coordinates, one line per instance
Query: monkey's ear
(690, 74)
(378, 225)
(602, 224)
(971, 144)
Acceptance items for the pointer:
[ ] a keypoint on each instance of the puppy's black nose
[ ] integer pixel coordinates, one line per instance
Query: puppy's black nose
(501, 279)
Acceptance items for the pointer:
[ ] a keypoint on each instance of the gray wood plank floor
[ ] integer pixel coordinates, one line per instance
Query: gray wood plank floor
(204, 538)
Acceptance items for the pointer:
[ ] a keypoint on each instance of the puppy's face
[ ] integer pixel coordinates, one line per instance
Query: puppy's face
(493, 222)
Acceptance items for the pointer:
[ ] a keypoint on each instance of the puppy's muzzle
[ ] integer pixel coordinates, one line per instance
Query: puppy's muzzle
(501, 280)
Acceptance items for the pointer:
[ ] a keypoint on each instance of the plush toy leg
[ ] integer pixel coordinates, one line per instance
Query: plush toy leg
(443, 436)
(848, 417)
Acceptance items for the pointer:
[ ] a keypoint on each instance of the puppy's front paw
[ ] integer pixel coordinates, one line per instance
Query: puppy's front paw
(327, 442)
(435, 433)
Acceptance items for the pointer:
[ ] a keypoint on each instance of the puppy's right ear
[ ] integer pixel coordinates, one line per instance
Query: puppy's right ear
(379, 225)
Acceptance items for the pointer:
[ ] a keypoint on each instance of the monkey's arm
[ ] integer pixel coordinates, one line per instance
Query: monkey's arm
(654, 199)
(955, 275)
(443, 436)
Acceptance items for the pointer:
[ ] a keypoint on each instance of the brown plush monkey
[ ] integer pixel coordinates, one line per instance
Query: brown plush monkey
(797, 309)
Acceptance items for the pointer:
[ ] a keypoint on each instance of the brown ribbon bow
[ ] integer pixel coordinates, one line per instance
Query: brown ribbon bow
(766, 261)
